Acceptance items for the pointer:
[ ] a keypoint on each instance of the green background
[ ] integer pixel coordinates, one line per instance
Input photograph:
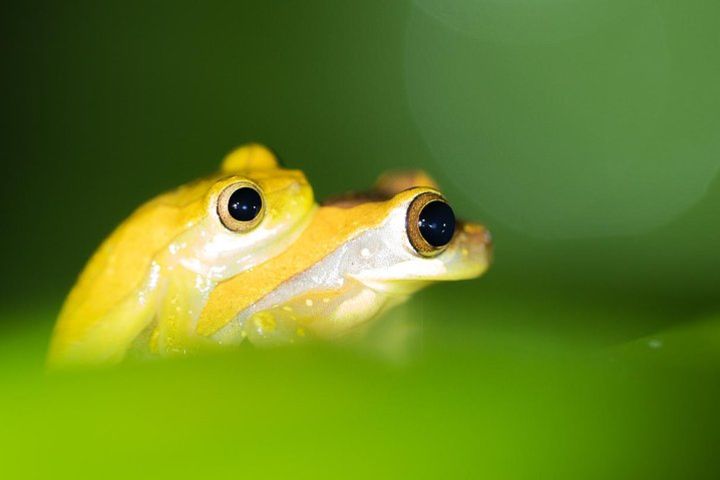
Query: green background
(583, 133)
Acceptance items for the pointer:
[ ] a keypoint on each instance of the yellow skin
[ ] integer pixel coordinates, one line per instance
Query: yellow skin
(173, 278)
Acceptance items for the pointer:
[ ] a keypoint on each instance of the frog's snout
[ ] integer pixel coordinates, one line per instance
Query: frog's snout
(471, 249)
(474, 234)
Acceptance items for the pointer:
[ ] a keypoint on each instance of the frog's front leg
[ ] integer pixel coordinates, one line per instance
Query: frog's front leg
(185, 295)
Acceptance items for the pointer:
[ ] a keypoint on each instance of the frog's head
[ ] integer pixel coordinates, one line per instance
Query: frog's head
(413, 239)
(251, 211)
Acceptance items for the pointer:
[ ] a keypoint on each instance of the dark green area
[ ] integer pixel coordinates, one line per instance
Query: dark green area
(582, 353)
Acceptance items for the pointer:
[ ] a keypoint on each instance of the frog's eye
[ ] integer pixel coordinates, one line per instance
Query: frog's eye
(240, 207)
(430, 224)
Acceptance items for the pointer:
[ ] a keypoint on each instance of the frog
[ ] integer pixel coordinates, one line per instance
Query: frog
(144, 287)
(247, 255)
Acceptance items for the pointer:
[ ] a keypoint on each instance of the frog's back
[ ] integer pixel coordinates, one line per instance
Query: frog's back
(123, 261)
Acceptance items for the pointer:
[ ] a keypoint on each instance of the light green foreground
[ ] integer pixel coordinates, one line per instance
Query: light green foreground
(476, 398)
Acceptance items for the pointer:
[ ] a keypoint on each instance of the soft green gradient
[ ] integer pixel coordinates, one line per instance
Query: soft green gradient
(589, 117)
(584, 133)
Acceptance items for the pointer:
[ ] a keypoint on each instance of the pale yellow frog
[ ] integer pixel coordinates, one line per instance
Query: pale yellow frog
(248, 254)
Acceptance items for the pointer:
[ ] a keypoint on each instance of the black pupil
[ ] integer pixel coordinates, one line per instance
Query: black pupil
(437, 223)
(245, 204)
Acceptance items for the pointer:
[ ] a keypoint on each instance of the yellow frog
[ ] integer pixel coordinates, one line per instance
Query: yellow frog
(248, 254)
